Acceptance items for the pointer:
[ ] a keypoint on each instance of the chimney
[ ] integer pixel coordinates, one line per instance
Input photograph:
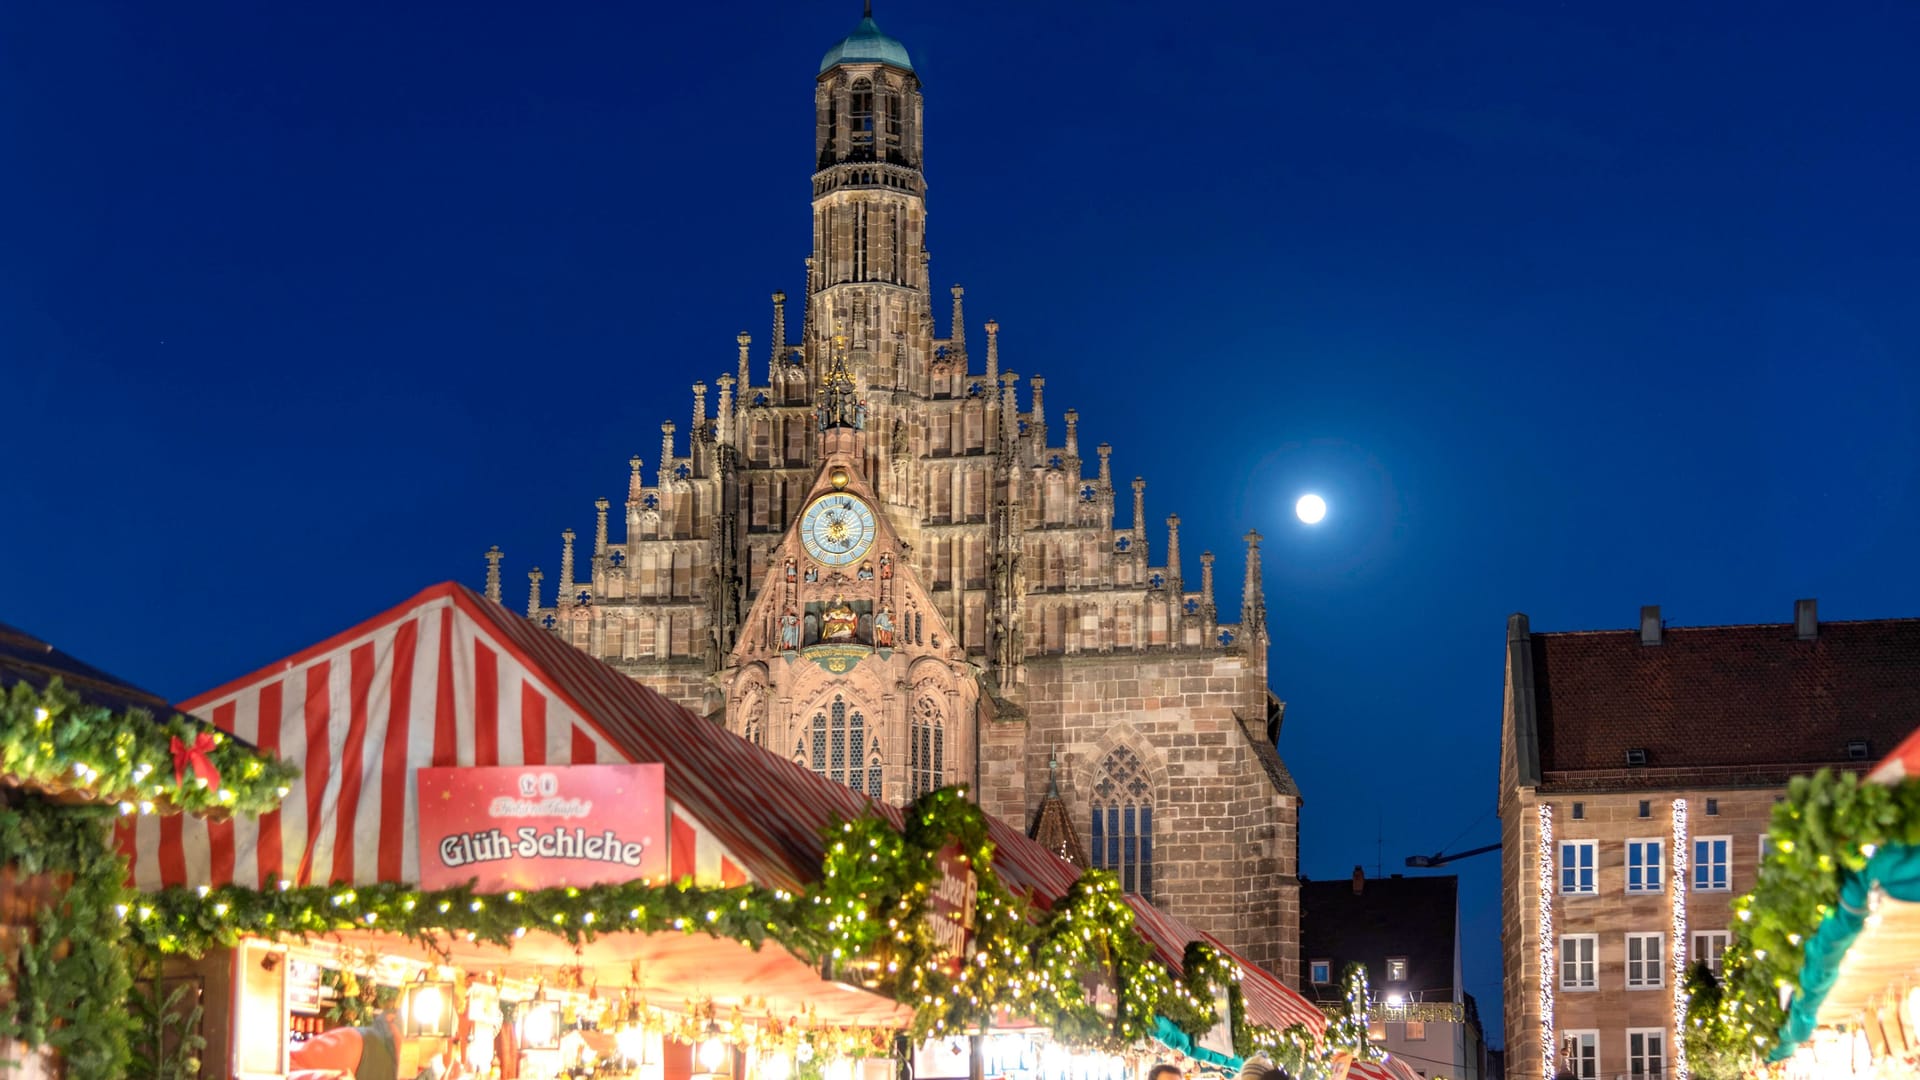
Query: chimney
(1650, 625)
(1806, 619)
(1359, 881)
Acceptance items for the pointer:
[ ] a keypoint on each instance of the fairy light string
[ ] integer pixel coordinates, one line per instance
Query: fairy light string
(1549, 965)
(1680, 942)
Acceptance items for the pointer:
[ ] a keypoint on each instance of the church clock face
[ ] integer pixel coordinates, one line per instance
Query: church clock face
(837, 529)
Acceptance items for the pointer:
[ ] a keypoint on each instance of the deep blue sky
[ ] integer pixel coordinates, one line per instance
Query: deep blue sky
(1565, 308)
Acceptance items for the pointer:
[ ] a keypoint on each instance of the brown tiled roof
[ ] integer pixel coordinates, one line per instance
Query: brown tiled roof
(1740, 697)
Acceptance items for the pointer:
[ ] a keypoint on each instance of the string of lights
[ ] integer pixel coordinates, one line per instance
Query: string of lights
(1680, 943)
(1548, 960)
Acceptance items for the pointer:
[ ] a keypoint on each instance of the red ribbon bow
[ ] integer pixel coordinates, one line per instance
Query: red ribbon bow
(195, 755)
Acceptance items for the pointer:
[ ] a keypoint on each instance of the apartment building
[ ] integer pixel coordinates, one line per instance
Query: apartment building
(1638, 771)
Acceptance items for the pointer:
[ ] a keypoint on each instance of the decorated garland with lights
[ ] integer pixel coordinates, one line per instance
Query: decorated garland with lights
(67, 979)
(191, 921)
(1829, 825)
(52, 740)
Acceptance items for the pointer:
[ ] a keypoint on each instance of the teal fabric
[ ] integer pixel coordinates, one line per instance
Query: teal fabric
(867, 45)
(1895, 869)
(1173, 1038)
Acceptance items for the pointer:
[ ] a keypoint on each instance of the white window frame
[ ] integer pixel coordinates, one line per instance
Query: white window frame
(1399, 963)
(1656, 965)
(1645, 1073)
(1657, 848)
(1587, 1039)
(1765, 848)
(1592, 886)
(1700, 865)
(1320, 972)
(1592, 982)
(1712, 956)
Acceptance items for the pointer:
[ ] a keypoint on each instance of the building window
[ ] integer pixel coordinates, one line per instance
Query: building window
(1646, 808)
(1123, 822)
(840, 750)
(1646, 1053)
(1644, 971)
(860, 119)
(1322, 972)
(1377, 1030)
(1580, 1054)
(1579, 811)
(1396, 969)
(1643, 865)
(1713, 807)
(1578, 970)
(1709, 946)
(1711, 872)
(1576, 868)
(1766, 846)
(927, 746)
(1416, 1030)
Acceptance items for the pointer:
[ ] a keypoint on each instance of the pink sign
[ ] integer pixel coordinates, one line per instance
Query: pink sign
(535, 826)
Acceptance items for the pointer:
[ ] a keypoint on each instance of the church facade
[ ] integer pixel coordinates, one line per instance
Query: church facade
(868, 553)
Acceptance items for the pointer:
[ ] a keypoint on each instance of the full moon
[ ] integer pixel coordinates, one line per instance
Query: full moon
(1310, 509)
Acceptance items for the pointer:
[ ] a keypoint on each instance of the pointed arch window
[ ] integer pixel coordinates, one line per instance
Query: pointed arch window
(839, 748)
(927, 745)
(753, 716)
(860, 119)
(1122, 826)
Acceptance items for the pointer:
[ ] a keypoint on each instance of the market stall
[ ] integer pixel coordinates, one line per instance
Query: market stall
(1823, 977)
(504, 855)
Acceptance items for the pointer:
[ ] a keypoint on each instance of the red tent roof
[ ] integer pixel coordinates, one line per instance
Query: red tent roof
(450, 678)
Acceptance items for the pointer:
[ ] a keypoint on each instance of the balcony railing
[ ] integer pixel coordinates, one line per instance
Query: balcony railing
(1429, 1012)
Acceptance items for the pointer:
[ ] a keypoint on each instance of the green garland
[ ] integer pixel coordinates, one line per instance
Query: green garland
(69, 979)
(867, 917)
(51, 739)
(1828, 824)
(191, 921)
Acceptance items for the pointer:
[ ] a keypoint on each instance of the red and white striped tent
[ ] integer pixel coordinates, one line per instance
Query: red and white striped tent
(1902, 763)
(1267, 1000)
(451, 679)
(1390, 1069)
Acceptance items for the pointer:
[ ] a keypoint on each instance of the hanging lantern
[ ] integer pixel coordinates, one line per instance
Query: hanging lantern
(540, 1025)
(429, 1008)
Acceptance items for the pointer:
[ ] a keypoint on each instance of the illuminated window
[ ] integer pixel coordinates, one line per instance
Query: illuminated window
(1643, 865)
(1322, 972)
(1396, 969)
(1416, 1030)
(1123, 822)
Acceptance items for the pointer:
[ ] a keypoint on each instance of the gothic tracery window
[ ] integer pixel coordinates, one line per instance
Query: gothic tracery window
(927, 746)
(860, 119)
(838, 748)
(1122, 831)
(753, 716)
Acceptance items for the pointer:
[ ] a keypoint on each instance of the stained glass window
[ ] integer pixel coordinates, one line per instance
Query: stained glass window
(839, 734)
(1123, 819)
(926, 745)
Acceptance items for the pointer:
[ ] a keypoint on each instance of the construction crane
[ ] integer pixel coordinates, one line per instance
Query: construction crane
(1427, 862)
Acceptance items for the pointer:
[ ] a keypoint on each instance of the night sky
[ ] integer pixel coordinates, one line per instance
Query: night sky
(1565, 309)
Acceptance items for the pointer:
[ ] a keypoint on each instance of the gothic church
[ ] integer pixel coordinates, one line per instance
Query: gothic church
(870, 557)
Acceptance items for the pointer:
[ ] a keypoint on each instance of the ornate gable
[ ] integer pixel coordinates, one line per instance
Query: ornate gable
(844, 663)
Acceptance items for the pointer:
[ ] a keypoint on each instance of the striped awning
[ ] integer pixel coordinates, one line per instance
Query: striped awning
(1268, 1000)
(1390, 1069)
(451, 679)
(1902, 763)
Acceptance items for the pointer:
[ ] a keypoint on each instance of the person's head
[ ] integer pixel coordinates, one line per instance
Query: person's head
(1164, 1072)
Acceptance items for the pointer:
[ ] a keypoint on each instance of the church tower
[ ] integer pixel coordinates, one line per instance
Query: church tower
(880, 557)
(867, 278)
